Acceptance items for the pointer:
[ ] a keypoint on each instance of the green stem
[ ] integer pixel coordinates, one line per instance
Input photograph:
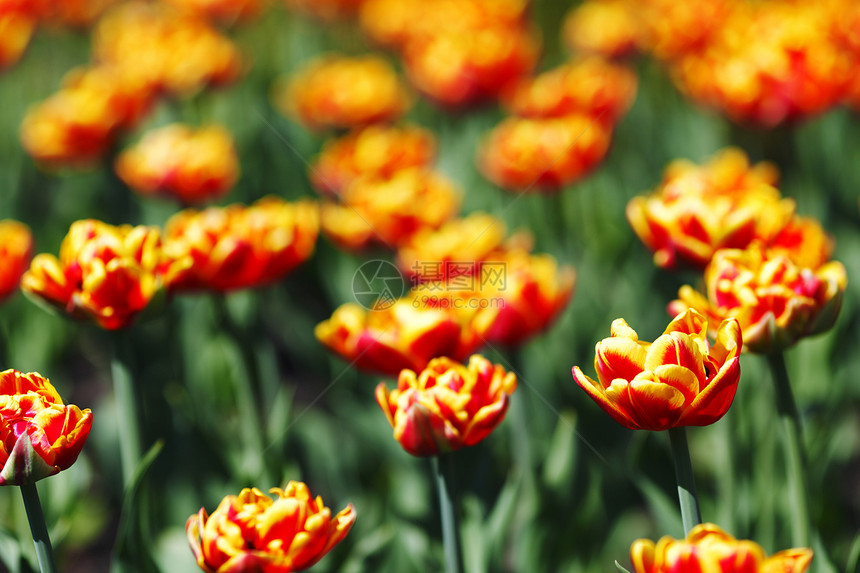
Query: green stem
(795, 456)
(128, 422)
(443, 468)
(690, 514)
(33, 506)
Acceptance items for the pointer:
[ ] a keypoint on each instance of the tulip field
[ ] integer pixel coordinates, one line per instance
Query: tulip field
(396, 286)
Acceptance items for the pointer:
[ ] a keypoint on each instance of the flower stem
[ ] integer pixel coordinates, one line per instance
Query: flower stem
(795, 456)
(443, 468)
(33, 506)
(690, 514)
(126, 402)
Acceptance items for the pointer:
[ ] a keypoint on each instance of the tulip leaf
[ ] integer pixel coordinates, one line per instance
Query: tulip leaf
(620, 568)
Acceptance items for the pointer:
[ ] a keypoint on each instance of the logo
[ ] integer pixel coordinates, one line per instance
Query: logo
(377, 284)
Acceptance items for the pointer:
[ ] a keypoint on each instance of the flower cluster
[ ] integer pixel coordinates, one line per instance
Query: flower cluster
(709, 548)
(677, 380)
(16, 248)
(39, 435)
(457, 52)
(253, 532)
(447, 405)
(238, 246)
(561, 126)
(343, 92)
(725, 203)
(191, 166)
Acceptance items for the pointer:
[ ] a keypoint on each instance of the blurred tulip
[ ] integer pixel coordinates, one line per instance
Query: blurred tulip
(326, 10)
(105, 273)
(403, 333)
(375, 150)
(725, 203)
(542, 154)
(170, 51)
(447, 405)
(343, 92)
(592, 86)
(16, 248)
(192, 166)
(390, 210)
(775, 301)
(675, 29)
(39, 435)
(252, 532)
(527, 292)
(239, 247)
(15, 32)
(609, 28)
(678, 380)
(77, 124)
(804, 241)
(709, 548)
(224, 11)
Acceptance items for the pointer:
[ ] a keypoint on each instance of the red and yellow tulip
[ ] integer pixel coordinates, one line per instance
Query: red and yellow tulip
(609, 28)
(104, 273)
(447, 405)
(253, 532)
(39, 435)
(709, 548)
(240, 246)
(16, 248)
(678, 380)
(775, 301)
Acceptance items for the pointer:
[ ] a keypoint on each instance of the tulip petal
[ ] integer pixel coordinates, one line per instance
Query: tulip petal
(24, 465)
(657, 406)
(618, 357)
(716, 398)
(616, 406)
(677, 348)
(642, 556)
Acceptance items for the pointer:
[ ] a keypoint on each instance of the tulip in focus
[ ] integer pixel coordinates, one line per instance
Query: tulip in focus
(104, 273)
(447, 405)
(39, 435)
(375, 150)
(709, 548)
(725, 203)
(775, 301)
(678, 380)
(525, 154)
(192, 166)
(391, 210)
(253, 532)
(240, 246)
(16, 248)
(343, 92)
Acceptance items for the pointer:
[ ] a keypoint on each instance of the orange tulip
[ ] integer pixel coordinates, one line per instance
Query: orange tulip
(226, 11)
(804, 241)
(192, 166)
(709, 548)
(16, 248)
(678, 380)
(252, 532)
(390, 210)
(105, 273)
(375, 150)
(39, 435)
(543, 154)
(675, 29)
(16, 28)
(775, 301)
(344, 92)
(326, 10)
(240, 247)
(591, 86)
(447, 405)
(725, 203)
(608, 28)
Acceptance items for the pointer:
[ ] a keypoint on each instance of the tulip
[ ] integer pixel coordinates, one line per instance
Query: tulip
(16, 29)
(606, 28)
(253, 532)
(16, 248)
(193, 166)
(709, 548)
(775, 301)
(105, 273)
(39, 435)
(725, 203)
(227, 11)
(325, 10)
(237, 247)
(375, 150)
(804, 241)
(390, 210)
(343, 92)
(447, 405)
(678, 380)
